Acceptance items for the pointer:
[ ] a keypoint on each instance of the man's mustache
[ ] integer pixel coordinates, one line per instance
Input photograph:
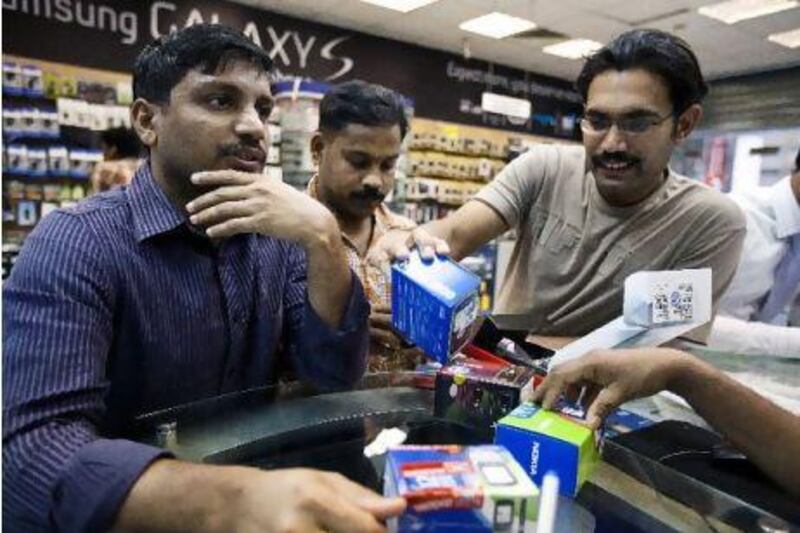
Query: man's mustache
(252, 150)
(614, 157)
(368, 194)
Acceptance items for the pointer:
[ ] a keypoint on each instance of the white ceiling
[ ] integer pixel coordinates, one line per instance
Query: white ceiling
(723, 50)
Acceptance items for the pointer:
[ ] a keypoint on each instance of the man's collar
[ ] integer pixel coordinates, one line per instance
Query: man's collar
(153, 213)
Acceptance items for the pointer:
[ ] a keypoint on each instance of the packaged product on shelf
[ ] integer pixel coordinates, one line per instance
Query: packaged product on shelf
(274, 155)
(434, 304)
(485, 169)
(99, 117)
(299, 118)
(123, 117)
(12, 122)
(27, 213)
(48, 123)
(103, 117)
(548, 441)
(9, 210)
(32, 82)
(12, 78)
(51, 192)
(274, 133)
(52, 84)
(66, 196)
(17, 158)
(37, 161)
(78, 192)
(30, 125)
(34, 191)
(97, 92)
(73, 113)
(58, 160)
(57, 86)
(81, 162)
(15, 189)
(460, 488)
(124, 91)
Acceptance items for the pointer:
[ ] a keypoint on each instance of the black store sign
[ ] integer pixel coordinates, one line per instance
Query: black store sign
(109, 34)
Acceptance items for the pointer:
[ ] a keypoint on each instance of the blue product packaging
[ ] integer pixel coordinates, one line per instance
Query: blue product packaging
(548, 441)
(454, 488)
(434, 304)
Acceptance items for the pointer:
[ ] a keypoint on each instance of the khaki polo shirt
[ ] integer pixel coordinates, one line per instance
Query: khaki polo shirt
(574, 250)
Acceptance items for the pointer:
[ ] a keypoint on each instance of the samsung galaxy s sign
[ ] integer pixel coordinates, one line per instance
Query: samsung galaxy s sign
(289, 48)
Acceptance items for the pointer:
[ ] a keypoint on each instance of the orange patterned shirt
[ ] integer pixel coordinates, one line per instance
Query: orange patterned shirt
(377, 283)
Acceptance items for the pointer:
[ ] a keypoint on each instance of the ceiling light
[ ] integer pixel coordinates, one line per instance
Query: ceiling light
(497, 25)
(573, 49)
(789, 39)
(404, 6)
(734, 11)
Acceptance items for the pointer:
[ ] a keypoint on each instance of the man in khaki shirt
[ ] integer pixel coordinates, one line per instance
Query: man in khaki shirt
(587, 217)
(361, 130)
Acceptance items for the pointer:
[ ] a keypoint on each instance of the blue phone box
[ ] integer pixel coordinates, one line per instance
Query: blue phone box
(434, 304)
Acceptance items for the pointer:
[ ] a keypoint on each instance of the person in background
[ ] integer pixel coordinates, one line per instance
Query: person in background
(361, 130)
(760, 311)
(613, 377)
(589, 216)
(177, 288)
(121, 152)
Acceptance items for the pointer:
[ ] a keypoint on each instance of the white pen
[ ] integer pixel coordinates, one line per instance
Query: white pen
(548, 504)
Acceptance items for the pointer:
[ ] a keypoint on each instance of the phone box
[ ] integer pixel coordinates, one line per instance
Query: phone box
(12, 122)
(548, 441)
(32, 82)
(82, 162)
(434, 304)
(48, 124)
(477, 393)
(12, 78)
(37, 161)
(17, 155)
(58, 160)
(455, 488)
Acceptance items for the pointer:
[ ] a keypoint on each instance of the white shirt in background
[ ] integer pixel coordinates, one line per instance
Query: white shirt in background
(773, 217)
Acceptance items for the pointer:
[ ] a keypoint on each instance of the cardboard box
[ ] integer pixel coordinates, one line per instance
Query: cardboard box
(545, 441)
(434, 304)
(455, 488)
(478, 393)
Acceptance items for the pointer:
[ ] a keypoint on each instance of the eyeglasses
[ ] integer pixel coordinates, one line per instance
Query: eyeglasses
(596, 124)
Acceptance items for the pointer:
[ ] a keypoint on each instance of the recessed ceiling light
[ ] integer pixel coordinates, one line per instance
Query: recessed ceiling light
(734, 11)
(573, 49)
(497, 25)
(404, 6)
(789, 39)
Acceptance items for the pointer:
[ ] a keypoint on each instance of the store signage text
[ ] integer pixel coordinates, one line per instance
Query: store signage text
(288, 48)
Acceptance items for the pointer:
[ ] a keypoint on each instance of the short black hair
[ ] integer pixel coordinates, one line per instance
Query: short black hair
(164, 63)
(124, 140)
(359, 102)
(661, 53)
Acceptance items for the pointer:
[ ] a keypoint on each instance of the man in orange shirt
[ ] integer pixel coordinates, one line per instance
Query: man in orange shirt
(361, 131)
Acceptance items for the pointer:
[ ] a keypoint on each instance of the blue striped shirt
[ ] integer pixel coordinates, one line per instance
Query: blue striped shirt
(117, 307)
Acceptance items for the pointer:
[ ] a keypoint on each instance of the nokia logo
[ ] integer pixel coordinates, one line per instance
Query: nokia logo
(534, 467)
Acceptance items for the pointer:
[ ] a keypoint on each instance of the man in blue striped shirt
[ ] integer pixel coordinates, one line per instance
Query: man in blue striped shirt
(177, 288)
